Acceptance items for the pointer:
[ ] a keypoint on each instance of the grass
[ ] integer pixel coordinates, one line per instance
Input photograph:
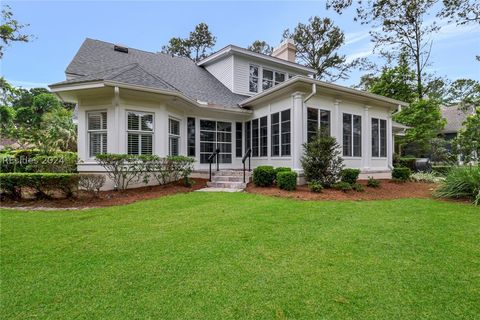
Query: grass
(226, 256)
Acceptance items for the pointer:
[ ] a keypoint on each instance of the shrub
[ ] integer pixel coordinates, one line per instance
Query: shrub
(401, 174)
(12, 183)
(461, 182)
(350, 175)
(169, 169)
(124, 169)
(358, 187)
(315, 186)
(23, 159)
(7, 163)
(61, 162)
(441, 170)
(264, 176)
(321, 160)
(282, 169)
(429, 177)
(407, 162)
(287, 180)
(373, 183)
(343, 186)
(92, 182)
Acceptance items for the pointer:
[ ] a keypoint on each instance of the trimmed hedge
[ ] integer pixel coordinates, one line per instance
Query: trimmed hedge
(11, 184)
(287, 180)
(343, 186)
(34, 161)
(401, 174)
(349, 175)
(264, 176)
(407, 162)
(282, 169)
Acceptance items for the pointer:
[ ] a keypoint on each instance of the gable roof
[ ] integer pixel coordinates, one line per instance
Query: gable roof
(230, 49)
(455, 117)
(97, 60)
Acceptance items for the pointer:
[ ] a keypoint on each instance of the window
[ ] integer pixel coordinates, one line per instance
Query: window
(248, 135)
(238, 139)
(191, 137)
(317, 120)
(352, 135)
(140, 132)
(213, 135)
(279, 77)
(379, 138)
(280, 132)
(259, 137)
(97, 133)
(173, 137)
(267, 81)
(255, 138)
(263, 136)
(253, 79)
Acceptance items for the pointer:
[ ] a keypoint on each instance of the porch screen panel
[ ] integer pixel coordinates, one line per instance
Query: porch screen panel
(275, 132)
(357, 136)
(255, 148)
(191, 137)
(383, 138)
(248, 135)
(347, 135)
(263, 137)
(215, 135)
(238, 139)
(375, 139)
(285, 133)
(312, 123)
(224, 141)
(325, 122)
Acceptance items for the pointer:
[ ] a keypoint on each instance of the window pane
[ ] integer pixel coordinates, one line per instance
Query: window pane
(191, 137)
(207, 125)
(263, 137)
(312, 123)
(98, 143)
(347, 135)
(133, 143)
(286, 115)
(325, 122)
(238, 139)
(375, 142)
(275, 132)
(253, 79)
(173, 146)
(94, 121)
(147, 144)
(255, 138)
(133, 121)
(279, 77)
(224, 126)
(383, 138)
(147, 122)
(285, 133)
(357, 136)
(174, 127)
(267, 81)
(248, 133)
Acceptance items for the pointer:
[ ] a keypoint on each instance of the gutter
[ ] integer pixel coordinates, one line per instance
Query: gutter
(314, 92)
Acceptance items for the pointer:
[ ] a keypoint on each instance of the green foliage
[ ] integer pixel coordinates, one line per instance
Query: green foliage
(321, 160)
(61, 162)
(373, 183)
(11, 184)
(10, 29)
(407, 162)
(461, 183)
(91, 182)
(401, 174)
(169, 169)
(282, 169)
(467, 142)
(195, 46)
(441, 170)
(264, 176)
(429, 177)
(439, 151)
(315, 186)
(358, 187)
(463, 93)
(342, 186)
(349, 175)
(425, 121)
(318, 44)
(124, 169)
(260, 47)
(287, 180)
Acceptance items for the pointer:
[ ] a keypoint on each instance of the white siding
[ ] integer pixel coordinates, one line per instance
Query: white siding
(223, 71)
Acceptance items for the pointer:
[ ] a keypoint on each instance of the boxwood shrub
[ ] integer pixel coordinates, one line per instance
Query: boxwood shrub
(349, 175)
(407, 162)
(315, 186)
(287, 180)
(401, 174)
(264, 176)
(11, 184)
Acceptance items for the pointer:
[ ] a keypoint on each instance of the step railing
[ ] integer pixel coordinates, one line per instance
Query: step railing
(210, 160)
(248, 155)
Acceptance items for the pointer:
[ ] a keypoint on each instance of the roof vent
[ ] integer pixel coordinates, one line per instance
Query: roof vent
(120, 48)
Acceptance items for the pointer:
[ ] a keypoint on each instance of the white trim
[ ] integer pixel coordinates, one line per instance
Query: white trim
(140, 132)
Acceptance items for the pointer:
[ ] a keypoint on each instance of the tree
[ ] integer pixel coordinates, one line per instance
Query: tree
(260, 47)
(10, 29)
(317, 44)
(425, 121)
(461, 11)
(30, 116)
(195, 46)
(464, 92)
(397, 26)
(467, 142)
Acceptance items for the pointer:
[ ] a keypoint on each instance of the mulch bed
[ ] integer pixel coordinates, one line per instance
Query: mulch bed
(107, 198)
(387, 190)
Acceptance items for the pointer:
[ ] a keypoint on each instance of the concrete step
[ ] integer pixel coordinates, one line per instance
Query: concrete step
(231, 173)
(227, 184)
(230, 178)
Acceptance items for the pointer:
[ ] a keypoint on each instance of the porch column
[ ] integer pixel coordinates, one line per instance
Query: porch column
(297, 129)
(389, 142)
(116, 122)
(337, 122)
(366, 138)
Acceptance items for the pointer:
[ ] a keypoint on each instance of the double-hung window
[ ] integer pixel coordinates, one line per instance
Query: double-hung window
(140, 132)
(173, 137)
(352, 135)
(97, 133)
(267, 79)
(253, 79)
(280, 133)
(317, 121)
(379, 137)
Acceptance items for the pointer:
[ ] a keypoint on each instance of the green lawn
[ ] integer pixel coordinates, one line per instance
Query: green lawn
(225, 256)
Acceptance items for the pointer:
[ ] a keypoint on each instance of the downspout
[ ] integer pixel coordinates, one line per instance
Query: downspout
(314, 92)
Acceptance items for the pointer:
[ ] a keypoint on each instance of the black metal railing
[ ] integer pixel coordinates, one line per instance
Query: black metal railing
(248, 155)
(210, 160)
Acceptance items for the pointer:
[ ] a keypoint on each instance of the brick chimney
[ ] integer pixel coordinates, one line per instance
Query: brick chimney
(286, 51)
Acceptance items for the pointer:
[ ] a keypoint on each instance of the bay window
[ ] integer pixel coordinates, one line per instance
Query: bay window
(352, 135)
(97, 133)
(140, 132)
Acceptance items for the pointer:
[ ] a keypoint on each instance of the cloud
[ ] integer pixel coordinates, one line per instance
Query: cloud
(27, 84)
(451, 30)
(354, 37)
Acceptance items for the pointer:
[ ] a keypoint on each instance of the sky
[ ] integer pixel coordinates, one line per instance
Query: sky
(60, 27)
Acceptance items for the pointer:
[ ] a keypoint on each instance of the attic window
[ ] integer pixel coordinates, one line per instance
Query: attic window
(120, 49)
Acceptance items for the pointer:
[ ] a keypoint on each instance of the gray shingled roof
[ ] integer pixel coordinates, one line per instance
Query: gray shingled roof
(455, 118)
(96, 60)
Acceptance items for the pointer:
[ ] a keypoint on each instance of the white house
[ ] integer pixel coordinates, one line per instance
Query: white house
(138, 102)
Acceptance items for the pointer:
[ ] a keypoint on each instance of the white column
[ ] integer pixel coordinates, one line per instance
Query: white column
(161, 131)
(337, 122)
(115, 141)
(366, 138)
(389, 142)
(297, 129)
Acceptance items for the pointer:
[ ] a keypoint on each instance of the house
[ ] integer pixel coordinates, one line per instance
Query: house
(138, 102)
(455, 117)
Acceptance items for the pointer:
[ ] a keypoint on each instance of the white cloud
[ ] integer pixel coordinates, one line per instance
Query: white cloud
(354, 37)
(27, 84)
